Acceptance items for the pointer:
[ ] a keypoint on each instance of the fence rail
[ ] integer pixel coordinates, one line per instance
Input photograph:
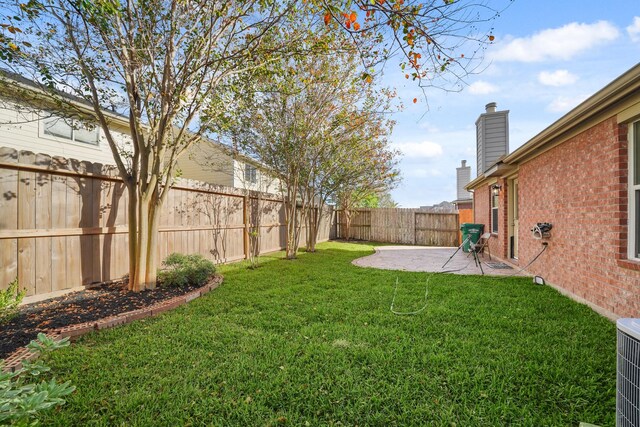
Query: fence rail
(63, 222)
(406, 226)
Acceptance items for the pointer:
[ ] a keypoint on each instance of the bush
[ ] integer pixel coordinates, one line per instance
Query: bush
(10, 298)
(186, 270)
(21, 397)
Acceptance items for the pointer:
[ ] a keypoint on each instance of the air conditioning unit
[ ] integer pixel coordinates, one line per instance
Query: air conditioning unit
(628, 377)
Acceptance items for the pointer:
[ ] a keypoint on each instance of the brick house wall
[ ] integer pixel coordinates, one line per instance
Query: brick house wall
(464, 215)
(499, 242)
(580, 186)
(482, 210)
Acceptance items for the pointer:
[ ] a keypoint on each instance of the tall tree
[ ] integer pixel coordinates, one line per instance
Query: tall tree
(354, 152)
(316, 126)
(271, 123)
(165, 65)
(158, 62)
(438, 42)
(378, 199)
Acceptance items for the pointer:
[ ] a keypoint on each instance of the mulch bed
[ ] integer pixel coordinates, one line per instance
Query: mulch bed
(78, 307)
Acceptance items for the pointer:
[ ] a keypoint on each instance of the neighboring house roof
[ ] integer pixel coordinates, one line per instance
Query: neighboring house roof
(462, 201)
(14, 86)
(621, 97)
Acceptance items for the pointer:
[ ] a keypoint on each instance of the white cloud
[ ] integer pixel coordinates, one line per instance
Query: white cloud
(557, 78)
(482, 88)
(557, 43)
(562, 104)
(429, 127)
(422, 173)
(419, 149)
(634, 29)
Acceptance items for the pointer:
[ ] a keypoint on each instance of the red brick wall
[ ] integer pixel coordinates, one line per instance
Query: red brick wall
(498, 244)
(464, 215)
(580, 187)
(482, 207)
(502, 239)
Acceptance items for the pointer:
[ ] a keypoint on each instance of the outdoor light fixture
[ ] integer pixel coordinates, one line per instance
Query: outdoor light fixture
(496, 189)
(538, 280)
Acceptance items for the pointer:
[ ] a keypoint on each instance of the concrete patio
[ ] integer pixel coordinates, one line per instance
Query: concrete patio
(431, 259)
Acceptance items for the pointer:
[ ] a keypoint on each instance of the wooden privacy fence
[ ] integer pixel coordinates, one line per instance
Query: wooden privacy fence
(406, 226)
(63, 223)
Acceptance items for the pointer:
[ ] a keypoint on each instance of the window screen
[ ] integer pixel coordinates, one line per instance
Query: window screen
(72, 130)
(250, 174)
(57, 126)
(84, 135)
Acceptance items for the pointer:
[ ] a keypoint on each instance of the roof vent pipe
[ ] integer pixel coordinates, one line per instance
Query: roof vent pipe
(491, 107)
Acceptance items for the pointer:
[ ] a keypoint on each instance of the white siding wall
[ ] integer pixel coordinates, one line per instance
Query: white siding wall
(202, 162)
(479, 146)
(263, 183)
(205, 162)
(463, 177)
(23, 131)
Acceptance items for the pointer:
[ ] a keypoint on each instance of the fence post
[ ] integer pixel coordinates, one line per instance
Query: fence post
(245, 229)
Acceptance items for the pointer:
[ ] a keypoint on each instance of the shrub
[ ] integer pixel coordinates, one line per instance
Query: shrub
(186, 270)
(10, 298)
(21, 397)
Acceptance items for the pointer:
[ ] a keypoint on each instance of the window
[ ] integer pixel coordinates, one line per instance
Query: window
(494, 210)
(634, 191)
(250, 173)
(73, 130)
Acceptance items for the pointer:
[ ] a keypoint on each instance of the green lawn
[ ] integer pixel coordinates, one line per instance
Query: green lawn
(312, 342)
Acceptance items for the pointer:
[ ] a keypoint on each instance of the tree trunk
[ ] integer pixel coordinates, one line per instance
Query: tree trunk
(133, 234)
(143, 253)
(347, 223)
(309, 229)
(313, 228)
(302, 212)
(297, 228)
(254, 236)
(291, 217)
(318, 223)
(152, 250)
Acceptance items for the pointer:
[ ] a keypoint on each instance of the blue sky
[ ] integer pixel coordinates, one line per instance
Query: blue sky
(547, 57)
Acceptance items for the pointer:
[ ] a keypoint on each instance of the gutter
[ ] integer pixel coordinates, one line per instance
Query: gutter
(475, 183)
(499, 168)
(21, 83)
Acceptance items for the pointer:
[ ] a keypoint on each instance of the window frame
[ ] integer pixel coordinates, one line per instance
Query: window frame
(73, 124)
(633, 199)
(250, 173)
(494, 205)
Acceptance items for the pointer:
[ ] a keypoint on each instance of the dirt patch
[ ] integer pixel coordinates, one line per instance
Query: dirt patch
(78, 307)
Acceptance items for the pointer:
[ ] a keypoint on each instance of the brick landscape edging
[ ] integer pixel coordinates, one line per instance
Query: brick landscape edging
(15, 359)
